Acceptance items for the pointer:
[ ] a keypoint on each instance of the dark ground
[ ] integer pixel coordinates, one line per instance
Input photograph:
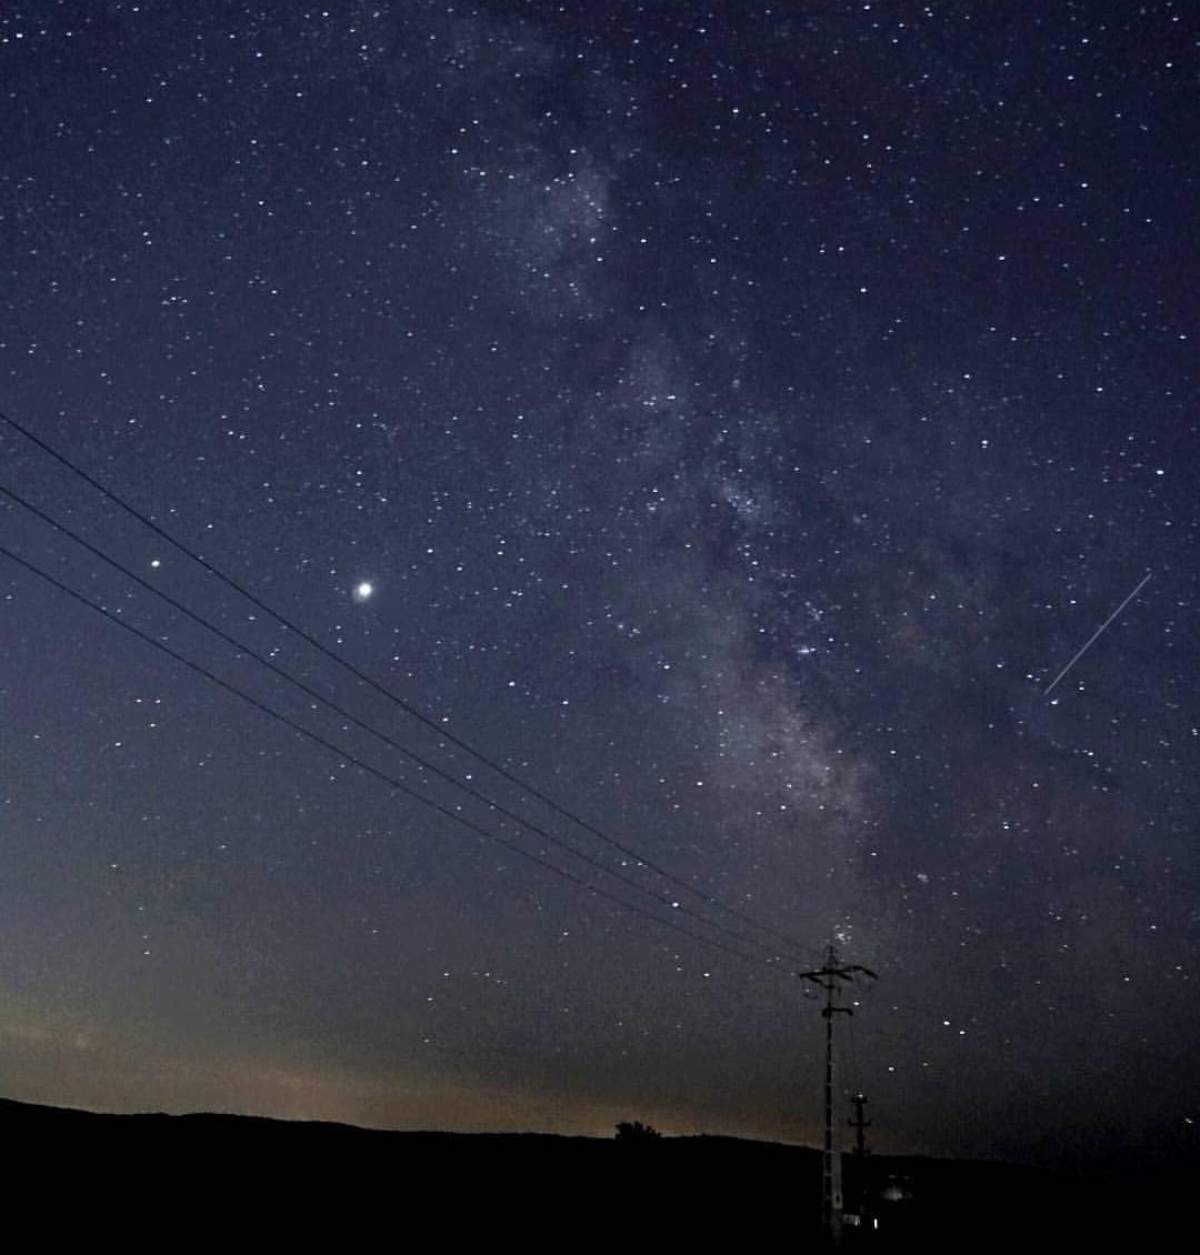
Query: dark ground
(333, 1185)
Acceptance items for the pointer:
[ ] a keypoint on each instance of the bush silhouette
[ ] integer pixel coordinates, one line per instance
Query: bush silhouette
(636, 1133)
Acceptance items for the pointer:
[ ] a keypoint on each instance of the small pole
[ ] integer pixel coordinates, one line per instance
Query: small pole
(860, 1125)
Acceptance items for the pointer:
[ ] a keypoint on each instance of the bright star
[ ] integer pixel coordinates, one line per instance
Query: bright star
(363, 591)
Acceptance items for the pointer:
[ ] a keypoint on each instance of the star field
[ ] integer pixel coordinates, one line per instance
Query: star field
(729, 421)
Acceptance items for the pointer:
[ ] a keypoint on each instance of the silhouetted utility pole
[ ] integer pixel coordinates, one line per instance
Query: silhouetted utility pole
(830, 978)
(859, 1123)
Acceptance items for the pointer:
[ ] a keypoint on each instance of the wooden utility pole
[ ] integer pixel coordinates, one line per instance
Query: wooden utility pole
(830, 978)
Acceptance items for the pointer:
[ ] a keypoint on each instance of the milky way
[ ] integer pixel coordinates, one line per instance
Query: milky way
(729, 422)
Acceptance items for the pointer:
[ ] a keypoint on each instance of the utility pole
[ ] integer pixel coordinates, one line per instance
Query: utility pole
(830, 978)
(860, 1124)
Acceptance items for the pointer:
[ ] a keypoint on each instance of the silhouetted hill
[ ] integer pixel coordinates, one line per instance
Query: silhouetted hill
(286, 1177)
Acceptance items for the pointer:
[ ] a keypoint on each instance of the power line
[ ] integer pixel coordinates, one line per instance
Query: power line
(284, 674)
(381, 775)
(410, 709)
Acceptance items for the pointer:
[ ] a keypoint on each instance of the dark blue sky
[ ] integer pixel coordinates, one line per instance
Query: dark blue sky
(741, 417)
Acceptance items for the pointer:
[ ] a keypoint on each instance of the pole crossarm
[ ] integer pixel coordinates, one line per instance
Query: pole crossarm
(827, 977)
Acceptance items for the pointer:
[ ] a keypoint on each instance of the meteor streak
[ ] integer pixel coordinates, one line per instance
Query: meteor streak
(1096, 635)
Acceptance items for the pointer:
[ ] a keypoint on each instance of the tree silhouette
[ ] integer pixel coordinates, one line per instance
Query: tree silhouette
(636, 1133)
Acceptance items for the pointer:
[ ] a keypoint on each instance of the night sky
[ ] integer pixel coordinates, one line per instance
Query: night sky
(729, 420)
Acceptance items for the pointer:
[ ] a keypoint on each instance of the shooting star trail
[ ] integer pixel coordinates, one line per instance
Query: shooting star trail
(1095, 636)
